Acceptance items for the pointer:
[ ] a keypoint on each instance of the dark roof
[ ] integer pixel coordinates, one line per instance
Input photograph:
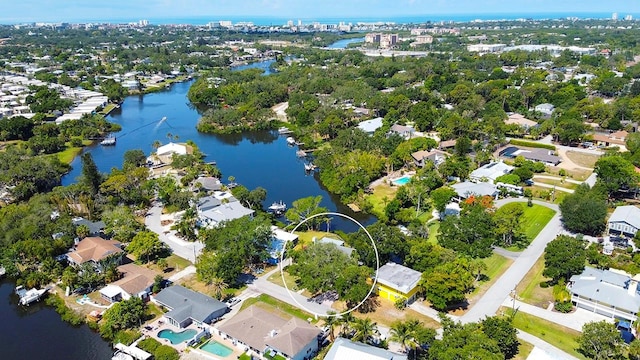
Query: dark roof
(208, 203)
(185, 303)
(95, 227)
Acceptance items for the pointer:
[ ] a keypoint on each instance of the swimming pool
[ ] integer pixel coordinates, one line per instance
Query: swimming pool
(177, 337)
(216, 348)
(404, 180)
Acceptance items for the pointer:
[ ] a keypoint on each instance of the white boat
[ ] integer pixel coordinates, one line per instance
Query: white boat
(309, 167)
(30, 295)
(291, 141)
(278, 207)
(301, 153)
(284, 130)
(108, 141)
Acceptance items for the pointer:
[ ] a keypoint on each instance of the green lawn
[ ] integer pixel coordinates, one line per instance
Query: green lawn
(529, 289)
(524, 349)
(535, 219)
(566, 184)
(434, 228)
(269, 303)
(67, 155)
(559, 336)
(496, 266)
(107, 109)
(382, 194)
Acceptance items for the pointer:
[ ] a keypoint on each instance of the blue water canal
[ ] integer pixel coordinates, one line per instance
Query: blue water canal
(254, 158)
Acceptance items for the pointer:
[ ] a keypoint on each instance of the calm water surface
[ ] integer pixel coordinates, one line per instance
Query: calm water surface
(37, 332)
(253, 158)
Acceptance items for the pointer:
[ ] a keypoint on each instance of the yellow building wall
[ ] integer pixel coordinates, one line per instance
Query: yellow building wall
(393, 295)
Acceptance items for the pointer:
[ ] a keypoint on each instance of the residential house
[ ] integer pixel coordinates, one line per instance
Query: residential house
(406, 132)
(136, 281)
(435, 156)
(272, 334)
(521, 121)
(187, 306)
(541, 155)
(370, 126)
(208, 183)
(164, 153)
(219, 208)
(345, 349)
(447, 144)
(95, 227)
(624, 221)
(617, 138)
(606, 292)
(339, 244)
(396, 282)
(467, 189)
(94, 250)
(278, 241)
(490, 172)
(545, 109)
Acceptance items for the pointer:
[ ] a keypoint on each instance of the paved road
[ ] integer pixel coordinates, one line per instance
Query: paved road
(184, 249)
(489, 304)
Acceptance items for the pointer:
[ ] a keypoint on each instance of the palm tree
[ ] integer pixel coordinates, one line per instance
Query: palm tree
(218, 285)
(365, 330)
(156, 144)
(346, 320)
(331, 321)
(403, 332)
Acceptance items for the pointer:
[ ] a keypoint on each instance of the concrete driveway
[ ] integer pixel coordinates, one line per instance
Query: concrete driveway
(185, 249)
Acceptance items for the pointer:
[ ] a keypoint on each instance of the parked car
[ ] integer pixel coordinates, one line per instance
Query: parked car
(233, 301)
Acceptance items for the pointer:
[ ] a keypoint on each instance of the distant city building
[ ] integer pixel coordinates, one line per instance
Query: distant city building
(383, 40)
(628, 17)
(614, 16)
(486, 48)
(143, 22)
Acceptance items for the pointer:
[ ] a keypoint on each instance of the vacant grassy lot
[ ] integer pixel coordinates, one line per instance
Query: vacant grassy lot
(538, 192)
(559, 183)
(559, 336)
(387, 313)
(582, 159)
(496, 266)
(306, 237)
(434, 230)
(576, 174)
(529, 289)
(274, 305)
(535, 219)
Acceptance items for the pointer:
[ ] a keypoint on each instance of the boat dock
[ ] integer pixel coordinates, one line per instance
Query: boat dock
(108, 141)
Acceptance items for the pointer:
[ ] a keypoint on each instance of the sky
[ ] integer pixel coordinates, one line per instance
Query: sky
(16, 11)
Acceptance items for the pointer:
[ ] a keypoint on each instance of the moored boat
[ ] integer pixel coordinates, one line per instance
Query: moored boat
(30, 295)
(278, 207)
(108, 141)
(291, 141)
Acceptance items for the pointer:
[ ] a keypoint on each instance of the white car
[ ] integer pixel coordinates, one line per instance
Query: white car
(233, 301)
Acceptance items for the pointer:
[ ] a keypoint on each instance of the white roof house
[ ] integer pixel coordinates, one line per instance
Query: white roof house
(172, 148)
(467, 189)
(606, 292)
(625, 220)
(546, 109)
(344, 349)
(490, 172)
(399, 279)
(213, 212)
(370, 126)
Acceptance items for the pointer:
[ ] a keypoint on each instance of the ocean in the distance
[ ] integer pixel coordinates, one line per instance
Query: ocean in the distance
(415, 19)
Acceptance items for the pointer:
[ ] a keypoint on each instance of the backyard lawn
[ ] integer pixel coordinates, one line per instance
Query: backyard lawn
(559, 336)
(382, 194)
(272, 304)
(434, 228)
(529, 289)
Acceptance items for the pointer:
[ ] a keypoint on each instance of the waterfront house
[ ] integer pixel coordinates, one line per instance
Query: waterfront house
(435, 156)
(219, 208)
(339, 244)
(370, 126)
(279, 238)
(164, 154)
(95, 250)
(624, 221)
(397, 282)
(606, 292)
(272, 333)
(208, 183)
(490, 172)
(345, 349)
(136, 281)
(187, 306)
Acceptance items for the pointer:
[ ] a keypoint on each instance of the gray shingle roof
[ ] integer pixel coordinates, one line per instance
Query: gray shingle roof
(629, 214)
(185, 303)
(466, 189)
(398, 277)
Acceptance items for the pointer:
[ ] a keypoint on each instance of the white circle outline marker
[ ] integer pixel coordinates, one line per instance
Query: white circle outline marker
(375, 278)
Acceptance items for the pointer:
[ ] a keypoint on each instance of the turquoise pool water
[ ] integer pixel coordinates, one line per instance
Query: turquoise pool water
(177, 337)
(216, 348)
(401, 180)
